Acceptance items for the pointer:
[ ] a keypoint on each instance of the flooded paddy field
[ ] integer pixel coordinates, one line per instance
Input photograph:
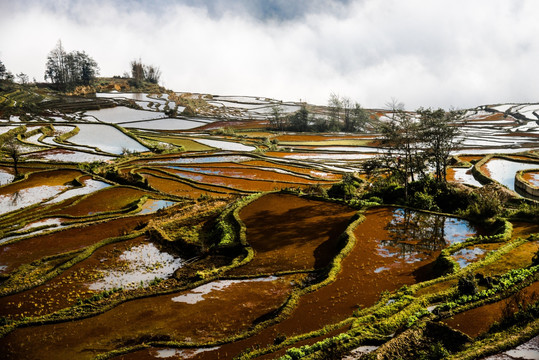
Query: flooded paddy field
(145, 235)
(476, 321)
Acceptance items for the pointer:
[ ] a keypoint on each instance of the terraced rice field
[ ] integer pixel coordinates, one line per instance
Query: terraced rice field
(143, 236)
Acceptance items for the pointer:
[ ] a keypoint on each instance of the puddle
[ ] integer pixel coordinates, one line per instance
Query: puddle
(360, 351)
(198, 294)
(504, 171)
(152, 205)
(179, 353)
(380, 269)
(465, 257)
(140, 265)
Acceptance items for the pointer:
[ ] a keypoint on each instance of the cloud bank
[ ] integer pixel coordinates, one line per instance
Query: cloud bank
(423, 53)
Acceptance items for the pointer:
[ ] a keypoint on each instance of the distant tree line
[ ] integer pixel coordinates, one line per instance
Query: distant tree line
(342, 115)
(69, 70)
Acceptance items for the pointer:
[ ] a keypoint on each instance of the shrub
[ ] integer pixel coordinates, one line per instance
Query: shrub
(467, 286)
(421, 200)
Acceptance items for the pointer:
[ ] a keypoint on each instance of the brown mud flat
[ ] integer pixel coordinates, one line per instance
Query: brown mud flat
(64, 290)
(42, 178)
(188, 316)
(109, 199)
(304, 232)
(25, 251)
(477, 321)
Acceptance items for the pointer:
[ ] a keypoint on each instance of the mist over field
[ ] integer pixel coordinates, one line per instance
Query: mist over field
(423, 53)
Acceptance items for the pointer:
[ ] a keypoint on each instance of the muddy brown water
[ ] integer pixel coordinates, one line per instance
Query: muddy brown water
(110, 199)
(63, 290)
(247, 173)
(476, 321)
(304, 232)
(239, 183)
(28, 250)
(385, 257)
(178, 188)
(193, 315)
(42, 178)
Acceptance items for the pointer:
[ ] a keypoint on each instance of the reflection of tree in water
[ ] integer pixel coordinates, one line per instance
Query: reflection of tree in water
(412, 233)
(15, 197)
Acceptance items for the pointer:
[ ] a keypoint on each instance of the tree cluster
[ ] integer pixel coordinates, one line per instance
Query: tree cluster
(4, 73)
(141, 72)
(416, 146)
(69, 70)
(342, 115)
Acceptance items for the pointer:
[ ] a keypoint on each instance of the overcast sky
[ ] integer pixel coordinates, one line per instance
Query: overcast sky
(440, 53)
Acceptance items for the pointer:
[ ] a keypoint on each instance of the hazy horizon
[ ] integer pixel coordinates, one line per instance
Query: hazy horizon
(423, 53)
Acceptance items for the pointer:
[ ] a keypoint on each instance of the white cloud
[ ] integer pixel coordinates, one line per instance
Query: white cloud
(424, 53)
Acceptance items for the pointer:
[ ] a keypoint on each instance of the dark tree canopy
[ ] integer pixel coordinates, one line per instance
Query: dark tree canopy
(69, 70)
(3, 70)
(4, 73)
